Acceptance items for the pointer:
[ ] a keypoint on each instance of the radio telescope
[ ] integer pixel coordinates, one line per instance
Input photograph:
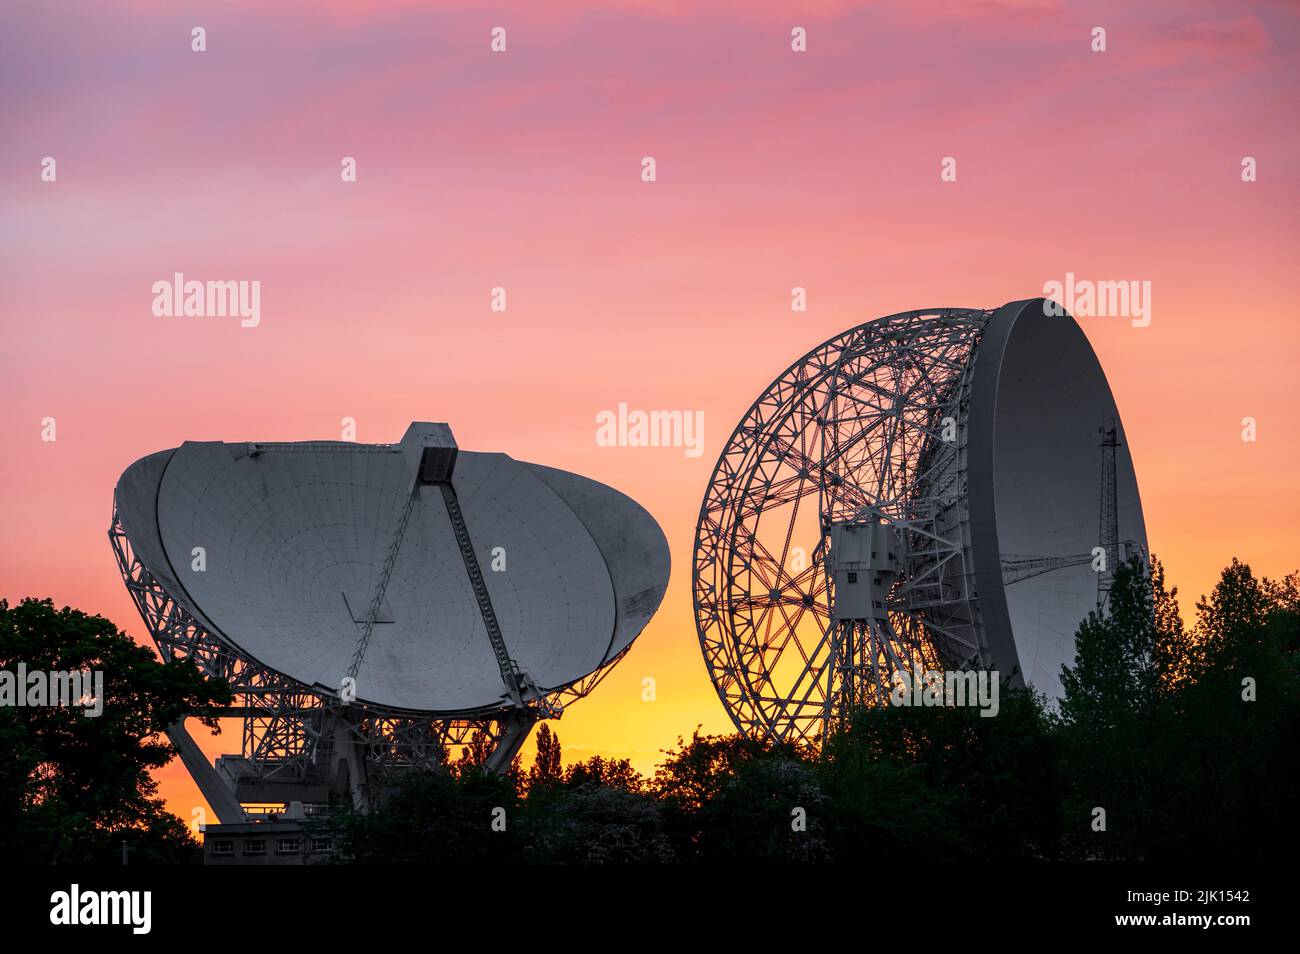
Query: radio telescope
(373, 605)
(946, 489)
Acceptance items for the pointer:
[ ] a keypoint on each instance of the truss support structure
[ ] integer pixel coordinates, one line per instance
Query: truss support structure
(853, 527)
(1109, 522)
(215, 791)
(870, 427)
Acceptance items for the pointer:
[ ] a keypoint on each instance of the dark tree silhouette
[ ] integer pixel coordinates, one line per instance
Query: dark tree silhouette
(594, 824)
(606, 773)
(1186, 738)
(547, 768)
(436, 817)
(1183, 738)
(729, 798)
(984, 785)
(73, 787)
(1123, 658)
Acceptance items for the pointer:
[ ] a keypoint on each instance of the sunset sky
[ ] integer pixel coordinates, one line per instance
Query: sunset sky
(522, 169)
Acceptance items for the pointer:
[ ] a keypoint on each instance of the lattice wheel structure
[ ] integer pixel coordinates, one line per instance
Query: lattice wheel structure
(868, 430)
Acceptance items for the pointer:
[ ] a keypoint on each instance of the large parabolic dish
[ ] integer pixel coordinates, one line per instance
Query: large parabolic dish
(929, 489)
(377, 608)
(279, 549)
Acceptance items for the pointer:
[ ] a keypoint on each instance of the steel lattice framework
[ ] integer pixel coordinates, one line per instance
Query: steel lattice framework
(868, 428)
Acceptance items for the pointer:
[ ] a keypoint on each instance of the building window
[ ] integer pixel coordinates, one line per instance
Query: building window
(287, 846)
(322, 845)
(255, 846)
(223, 846)
(853, 577)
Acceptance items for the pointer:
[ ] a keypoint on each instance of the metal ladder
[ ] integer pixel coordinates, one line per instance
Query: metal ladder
(509, 672)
